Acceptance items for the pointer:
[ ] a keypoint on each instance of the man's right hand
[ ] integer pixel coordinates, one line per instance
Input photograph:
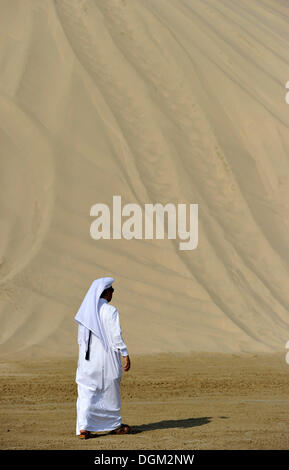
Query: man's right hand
(126, 363)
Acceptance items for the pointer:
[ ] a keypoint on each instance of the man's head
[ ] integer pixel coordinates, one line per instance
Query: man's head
(107, 293)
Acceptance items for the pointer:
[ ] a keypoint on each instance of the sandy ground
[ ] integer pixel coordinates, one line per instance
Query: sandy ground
(172, 401)
(158, 102)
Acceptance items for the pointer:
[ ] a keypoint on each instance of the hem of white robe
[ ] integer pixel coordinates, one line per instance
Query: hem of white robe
(89, 428)
(117, 424)
(94, 429)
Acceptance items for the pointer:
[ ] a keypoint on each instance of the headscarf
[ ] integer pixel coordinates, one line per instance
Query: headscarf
(88, 313)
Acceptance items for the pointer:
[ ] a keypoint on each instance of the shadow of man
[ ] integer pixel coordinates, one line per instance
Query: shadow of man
(170, 424)
(165, 424)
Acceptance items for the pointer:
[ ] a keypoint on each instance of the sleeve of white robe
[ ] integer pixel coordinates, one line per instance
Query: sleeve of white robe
(116, 336)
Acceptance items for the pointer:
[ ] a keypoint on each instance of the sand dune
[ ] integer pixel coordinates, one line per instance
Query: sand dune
(156, 101)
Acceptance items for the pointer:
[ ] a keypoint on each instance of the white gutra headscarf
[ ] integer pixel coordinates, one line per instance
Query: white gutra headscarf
(88, 313)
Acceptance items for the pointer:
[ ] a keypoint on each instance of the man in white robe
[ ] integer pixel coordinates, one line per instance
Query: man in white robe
(99, 369)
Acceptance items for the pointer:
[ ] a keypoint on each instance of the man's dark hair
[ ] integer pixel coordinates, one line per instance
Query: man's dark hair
(106, 291)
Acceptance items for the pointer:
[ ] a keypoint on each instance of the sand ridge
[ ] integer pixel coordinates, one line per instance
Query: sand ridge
(156, 101)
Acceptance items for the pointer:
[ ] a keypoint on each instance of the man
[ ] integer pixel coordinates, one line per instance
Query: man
(99, 370)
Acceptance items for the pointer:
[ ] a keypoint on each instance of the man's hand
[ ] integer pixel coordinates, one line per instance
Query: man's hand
(126, 363)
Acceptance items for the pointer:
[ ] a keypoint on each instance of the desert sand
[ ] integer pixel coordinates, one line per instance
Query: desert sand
(158, 101)
(155, 101)
(171, 401)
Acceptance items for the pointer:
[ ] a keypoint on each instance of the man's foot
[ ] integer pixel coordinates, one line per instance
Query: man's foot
(84, 434)
(123, 429)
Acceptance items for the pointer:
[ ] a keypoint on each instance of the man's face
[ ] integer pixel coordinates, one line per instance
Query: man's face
(109, 294)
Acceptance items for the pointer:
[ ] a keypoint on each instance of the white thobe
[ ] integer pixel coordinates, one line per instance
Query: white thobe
(98, 379)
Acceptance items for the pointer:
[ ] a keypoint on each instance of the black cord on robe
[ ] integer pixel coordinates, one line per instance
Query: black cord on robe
(88, 348)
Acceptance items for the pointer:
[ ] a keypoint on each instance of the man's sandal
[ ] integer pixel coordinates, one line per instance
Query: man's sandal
(84, 435)
(123, 429)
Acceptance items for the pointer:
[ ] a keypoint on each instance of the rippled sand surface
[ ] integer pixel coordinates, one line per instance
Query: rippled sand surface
(171, 401)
